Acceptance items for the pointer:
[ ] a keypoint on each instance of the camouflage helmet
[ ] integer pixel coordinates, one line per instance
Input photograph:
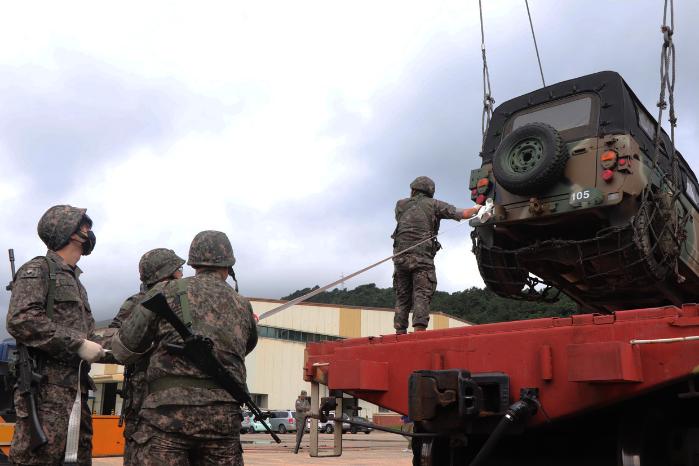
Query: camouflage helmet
(423, 184)
(158, 264)
(211, 249)
(59, 223)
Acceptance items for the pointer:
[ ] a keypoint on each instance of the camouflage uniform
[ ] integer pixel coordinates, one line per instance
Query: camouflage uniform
(54, 343)
(154, 266)
(186, 418)
(302, 409)
(414, 277)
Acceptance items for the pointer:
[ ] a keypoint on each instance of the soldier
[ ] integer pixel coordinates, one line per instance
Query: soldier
(155, 266)
(49, 313)
(187, 418)
(302, 408)
(414, 277)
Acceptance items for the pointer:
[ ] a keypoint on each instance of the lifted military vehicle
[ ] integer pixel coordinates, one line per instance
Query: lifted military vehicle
(584, 202)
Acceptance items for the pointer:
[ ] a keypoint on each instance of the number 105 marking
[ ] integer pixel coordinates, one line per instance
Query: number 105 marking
(580, 195)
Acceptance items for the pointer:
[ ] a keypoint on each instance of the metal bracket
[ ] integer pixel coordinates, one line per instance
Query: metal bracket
(337, 431)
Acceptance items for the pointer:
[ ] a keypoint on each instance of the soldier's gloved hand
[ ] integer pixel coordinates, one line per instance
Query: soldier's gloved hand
(471, 211)
(90, 351)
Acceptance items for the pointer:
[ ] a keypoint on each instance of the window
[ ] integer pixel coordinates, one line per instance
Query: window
(276, 333)
(563, 116)
(692, 192)
(646, 122)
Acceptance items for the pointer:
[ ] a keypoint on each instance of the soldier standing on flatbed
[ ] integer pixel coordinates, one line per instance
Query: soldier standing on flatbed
(155, 266)
(49, 314)
(414, 277)
(187, 418)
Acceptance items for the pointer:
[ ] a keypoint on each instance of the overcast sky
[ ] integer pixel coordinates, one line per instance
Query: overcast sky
(292, 126)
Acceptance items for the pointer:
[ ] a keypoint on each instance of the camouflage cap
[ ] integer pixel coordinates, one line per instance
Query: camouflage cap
(58, 223)
(158, 264)
(423, 184)
(211, 248)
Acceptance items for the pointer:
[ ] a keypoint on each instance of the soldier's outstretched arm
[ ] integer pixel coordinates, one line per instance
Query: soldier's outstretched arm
(135, 336)
(444, 210)
(27, 321)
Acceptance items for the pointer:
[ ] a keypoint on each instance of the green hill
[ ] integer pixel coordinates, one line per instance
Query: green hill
(476, 305)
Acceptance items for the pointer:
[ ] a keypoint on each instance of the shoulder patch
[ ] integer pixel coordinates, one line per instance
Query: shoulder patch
(29, 272)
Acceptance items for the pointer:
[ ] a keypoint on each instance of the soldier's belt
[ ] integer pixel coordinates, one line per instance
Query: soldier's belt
(175, 381)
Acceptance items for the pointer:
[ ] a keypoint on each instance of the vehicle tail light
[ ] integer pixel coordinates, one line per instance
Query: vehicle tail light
(291, 420)
(608, 156)
(607, 175)
(481, 200)
(483, 183)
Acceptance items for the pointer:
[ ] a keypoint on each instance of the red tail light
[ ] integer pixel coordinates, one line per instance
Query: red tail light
(291, 420)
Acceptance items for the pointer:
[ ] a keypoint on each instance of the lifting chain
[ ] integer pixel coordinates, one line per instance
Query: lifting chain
(673, 220)
(488, 100)
(667, 85)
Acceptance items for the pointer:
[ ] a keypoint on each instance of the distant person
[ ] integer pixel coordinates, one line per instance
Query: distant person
(414, 277)
(50, 315)
(155, 266)
(187, 418)
(407, 426)
(303, 406)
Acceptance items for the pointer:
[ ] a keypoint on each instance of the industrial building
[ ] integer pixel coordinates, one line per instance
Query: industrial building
(275, 366)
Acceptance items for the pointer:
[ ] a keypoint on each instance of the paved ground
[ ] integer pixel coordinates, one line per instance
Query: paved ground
(376, 448)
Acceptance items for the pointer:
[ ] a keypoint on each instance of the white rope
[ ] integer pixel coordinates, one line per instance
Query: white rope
(664, 340)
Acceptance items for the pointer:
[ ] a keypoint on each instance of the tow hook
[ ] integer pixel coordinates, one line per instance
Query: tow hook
(519, 412)
(536, 207)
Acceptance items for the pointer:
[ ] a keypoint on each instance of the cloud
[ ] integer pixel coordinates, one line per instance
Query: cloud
(295, 132)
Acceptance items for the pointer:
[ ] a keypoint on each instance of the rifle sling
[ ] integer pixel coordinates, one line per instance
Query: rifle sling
(50, 297)
(184, 302)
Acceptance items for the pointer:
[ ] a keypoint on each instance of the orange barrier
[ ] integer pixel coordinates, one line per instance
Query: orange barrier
(107, 437)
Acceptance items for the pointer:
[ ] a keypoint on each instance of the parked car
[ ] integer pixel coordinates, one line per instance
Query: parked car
(354, 429)
(245, 427)
(279, 421)
(329, 426)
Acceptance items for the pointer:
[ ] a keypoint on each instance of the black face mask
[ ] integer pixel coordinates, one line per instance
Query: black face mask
(90, 241)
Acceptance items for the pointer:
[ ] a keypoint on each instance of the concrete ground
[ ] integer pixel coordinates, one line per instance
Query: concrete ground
(377, 448)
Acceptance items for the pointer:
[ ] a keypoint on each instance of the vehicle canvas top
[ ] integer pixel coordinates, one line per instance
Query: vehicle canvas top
(617, 113)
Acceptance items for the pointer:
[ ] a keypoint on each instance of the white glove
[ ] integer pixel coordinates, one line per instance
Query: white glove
(91, 351)
(486, 211)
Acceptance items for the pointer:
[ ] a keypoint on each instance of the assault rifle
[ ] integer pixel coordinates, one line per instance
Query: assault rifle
(199, 350)
(127, 398)
(27, 380)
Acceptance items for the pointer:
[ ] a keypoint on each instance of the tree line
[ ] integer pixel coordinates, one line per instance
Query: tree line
(477, 305)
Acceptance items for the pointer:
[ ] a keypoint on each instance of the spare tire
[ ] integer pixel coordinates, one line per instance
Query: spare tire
(530, 159)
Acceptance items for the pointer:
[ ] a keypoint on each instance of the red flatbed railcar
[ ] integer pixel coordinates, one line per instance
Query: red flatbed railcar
(614, 389)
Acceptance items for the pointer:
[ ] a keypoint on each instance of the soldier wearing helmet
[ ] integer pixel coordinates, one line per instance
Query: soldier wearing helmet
(414, 278)
(49, 313)
(155, 266)
(185, 414)
(303, 406)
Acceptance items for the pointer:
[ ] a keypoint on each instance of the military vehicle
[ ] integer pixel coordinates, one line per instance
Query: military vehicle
(585, 201)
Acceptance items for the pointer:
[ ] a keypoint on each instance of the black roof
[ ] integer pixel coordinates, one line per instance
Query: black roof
(617, 113)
